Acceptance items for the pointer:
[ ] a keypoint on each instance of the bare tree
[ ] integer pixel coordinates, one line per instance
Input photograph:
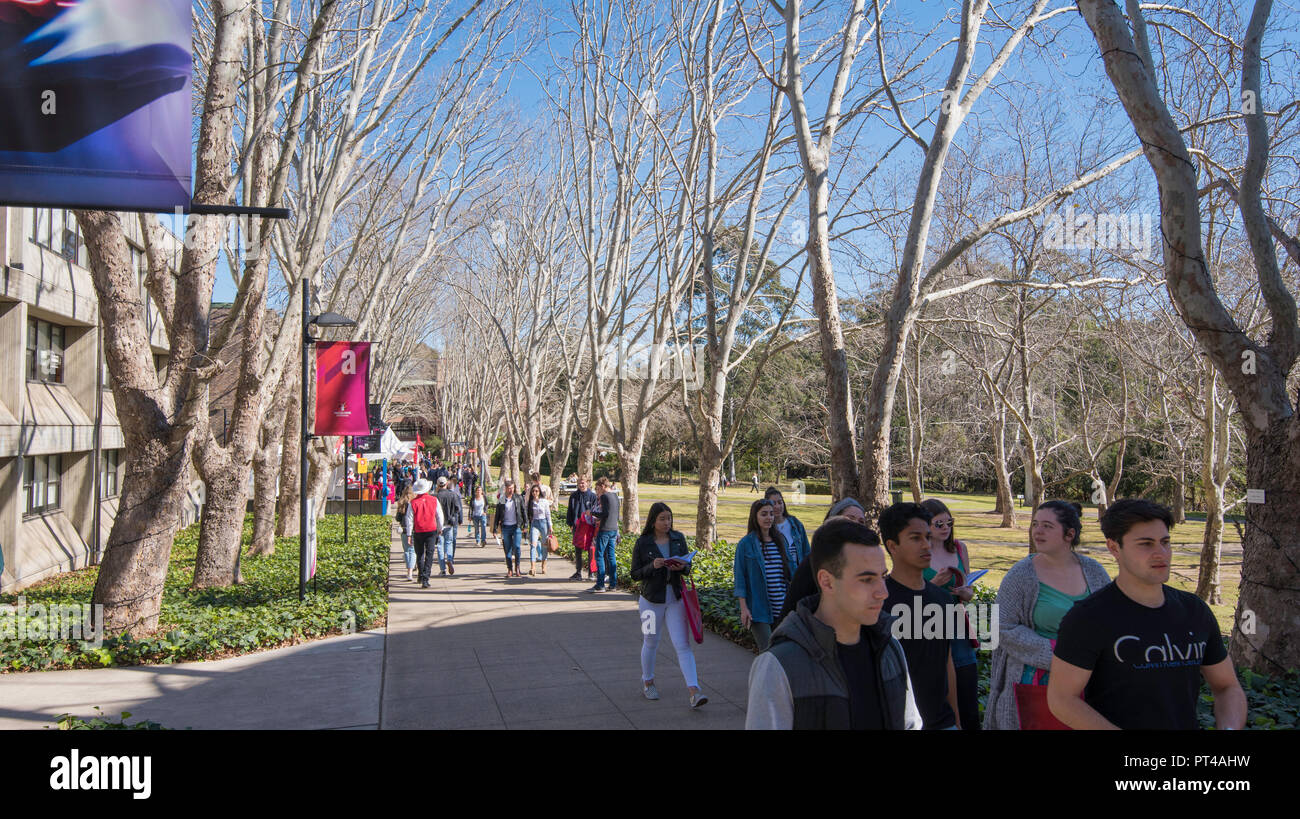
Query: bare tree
(1256, 372)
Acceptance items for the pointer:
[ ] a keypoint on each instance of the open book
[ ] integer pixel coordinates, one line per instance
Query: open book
(686, 558)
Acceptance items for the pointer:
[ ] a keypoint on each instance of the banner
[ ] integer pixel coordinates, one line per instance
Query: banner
(96, 98)
(342, 387)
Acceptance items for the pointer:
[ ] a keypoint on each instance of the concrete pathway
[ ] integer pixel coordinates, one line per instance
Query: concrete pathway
(474, 651)
(480, 651)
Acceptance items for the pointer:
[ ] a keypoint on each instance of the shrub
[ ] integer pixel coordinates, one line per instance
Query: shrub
(68, 722)
(263, 612)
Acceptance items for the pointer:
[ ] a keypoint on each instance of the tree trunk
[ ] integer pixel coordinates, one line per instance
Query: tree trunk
(587, 446)
(630, 462)
(1208, 585)
(286, 505)
(1214, 478)
(264, 499)
(221, 528)
(706, 529)
(1180, 492)
(1006, 504)
(1266, 632)
(131, 574)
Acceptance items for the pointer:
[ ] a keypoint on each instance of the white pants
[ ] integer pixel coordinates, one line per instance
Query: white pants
(654, 616)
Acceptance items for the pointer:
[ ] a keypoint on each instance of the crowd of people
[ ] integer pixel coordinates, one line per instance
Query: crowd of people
(844, 621)
(430, 511)
(844, 646)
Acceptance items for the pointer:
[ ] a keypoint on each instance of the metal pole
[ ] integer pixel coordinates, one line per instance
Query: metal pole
(302, 457)
(345, 488)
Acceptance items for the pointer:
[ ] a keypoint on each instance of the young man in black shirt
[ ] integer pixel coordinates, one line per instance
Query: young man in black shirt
(832, 663)
(1132, 655)
(905, 528)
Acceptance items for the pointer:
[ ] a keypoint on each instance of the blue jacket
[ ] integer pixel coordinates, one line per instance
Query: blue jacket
(799, 535)
(749, 581)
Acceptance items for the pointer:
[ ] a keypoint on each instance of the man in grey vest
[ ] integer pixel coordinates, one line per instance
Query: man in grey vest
(833, 663)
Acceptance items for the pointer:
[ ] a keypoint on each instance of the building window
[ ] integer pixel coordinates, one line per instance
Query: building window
(44, 351)
(108, 473)
(42, 482)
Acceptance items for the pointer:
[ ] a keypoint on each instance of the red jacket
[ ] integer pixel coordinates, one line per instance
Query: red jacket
(426, 513)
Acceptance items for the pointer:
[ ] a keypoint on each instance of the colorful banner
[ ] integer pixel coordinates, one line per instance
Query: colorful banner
(96, 98)
(342, 387)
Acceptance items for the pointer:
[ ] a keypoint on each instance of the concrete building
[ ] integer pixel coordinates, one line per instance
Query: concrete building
(60, 440)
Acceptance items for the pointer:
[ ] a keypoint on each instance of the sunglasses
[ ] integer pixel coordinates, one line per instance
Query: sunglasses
(945, 525)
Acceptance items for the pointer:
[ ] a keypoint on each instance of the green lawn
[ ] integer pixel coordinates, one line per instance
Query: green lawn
(991, 547)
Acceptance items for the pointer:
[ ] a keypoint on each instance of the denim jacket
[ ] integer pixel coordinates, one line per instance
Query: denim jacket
(750, 582)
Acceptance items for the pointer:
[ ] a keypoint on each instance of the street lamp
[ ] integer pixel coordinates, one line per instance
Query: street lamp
(324, 320)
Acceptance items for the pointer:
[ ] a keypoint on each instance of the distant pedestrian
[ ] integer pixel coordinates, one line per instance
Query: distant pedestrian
(657, 563)
(607, 537)
(539, 527)
(478, 513)
(581, 520)
(511, 516)
(408, 550)
(453, 514)
(753, 483)
(424, 516)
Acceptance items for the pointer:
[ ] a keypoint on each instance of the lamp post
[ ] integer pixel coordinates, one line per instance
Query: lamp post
(323, 320)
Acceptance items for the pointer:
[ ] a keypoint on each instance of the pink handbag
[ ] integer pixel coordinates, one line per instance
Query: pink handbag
(691, 602)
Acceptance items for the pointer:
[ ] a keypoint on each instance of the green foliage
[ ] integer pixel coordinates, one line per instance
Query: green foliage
(68, 722)
(1272, 703)
(263, 612)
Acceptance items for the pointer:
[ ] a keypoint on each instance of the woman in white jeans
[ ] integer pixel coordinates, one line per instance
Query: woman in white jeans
(657, 565)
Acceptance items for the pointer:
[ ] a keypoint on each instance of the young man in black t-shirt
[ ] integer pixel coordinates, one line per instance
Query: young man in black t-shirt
(1132, 655)
(905, 528)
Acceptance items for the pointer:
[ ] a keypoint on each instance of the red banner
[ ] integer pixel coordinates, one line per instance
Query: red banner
(342, 387)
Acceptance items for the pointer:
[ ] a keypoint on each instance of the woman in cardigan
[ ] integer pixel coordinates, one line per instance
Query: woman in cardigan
(1033, 597)
(764, 565)
(657, 565)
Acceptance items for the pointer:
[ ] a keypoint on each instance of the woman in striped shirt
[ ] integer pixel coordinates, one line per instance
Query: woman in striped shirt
(764, 564)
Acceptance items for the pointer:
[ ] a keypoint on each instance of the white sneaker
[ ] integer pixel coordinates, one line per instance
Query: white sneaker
(651, 693)
(698, 699)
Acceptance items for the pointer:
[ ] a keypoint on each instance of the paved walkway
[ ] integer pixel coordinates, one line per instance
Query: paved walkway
(474, 651)
(479, 651)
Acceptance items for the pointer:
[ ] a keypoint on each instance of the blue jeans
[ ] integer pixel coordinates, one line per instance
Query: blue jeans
(537, 532)
(408, 550)
(605, 540)
(480, 529)
(510, 542)
(447, 547)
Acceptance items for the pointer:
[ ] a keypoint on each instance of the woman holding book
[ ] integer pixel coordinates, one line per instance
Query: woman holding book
(949, 568)
(659, 559)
